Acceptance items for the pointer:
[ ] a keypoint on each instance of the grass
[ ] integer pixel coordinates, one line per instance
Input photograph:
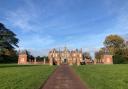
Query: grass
(14, 76)
(104, 76)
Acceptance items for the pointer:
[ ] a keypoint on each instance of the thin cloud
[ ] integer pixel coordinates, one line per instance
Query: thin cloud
(77, 24)
(24, 17)
(37, 41)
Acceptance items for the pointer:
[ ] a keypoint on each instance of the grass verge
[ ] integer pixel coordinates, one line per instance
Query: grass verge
(104, 76)
(14, 76)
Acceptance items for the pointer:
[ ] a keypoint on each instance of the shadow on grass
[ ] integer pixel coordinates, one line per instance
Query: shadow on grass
(16, 65)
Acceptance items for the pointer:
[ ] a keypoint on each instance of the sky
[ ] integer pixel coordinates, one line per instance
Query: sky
(42, 25)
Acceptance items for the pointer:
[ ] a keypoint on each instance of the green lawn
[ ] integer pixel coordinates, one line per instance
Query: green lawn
(104, 76)
(23, 76)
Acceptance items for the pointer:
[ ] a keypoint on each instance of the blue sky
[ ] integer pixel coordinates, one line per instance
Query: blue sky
(44, 24)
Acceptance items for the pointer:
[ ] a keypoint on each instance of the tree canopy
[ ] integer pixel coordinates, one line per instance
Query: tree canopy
(8, 40)
(99, 54)
(113, 43)
(118, 47)
(87, 55)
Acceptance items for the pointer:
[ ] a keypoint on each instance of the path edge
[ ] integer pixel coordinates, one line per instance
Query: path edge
(42, 85)
(79, 78)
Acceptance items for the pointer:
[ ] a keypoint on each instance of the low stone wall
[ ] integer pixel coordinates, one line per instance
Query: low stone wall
(38, 63)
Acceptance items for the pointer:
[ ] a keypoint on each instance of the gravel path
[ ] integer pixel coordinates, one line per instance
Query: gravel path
(64, 78)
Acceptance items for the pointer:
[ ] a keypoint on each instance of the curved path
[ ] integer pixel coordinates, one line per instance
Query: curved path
(64, 78)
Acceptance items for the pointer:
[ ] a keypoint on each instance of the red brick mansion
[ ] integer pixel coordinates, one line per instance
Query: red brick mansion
(65, 56)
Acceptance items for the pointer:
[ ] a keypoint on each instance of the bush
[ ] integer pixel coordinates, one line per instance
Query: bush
(8, 59)
(119, 59)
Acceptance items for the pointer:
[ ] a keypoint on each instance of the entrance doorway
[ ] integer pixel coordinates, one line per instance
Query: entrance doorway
(54, 62)
(65, 61)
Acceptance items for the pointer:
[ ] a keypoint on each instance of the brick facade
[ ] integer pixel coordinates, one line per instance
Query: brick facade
(107, 59)
(22, 59)
(65, 56)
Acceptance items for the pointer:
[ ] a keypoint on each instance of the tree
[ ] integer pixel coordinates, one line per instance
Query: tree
(86, 55)
(8, 40)
(99, 54)
(39, 58)
(113, 43)
(125, 52)
(118, 47)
